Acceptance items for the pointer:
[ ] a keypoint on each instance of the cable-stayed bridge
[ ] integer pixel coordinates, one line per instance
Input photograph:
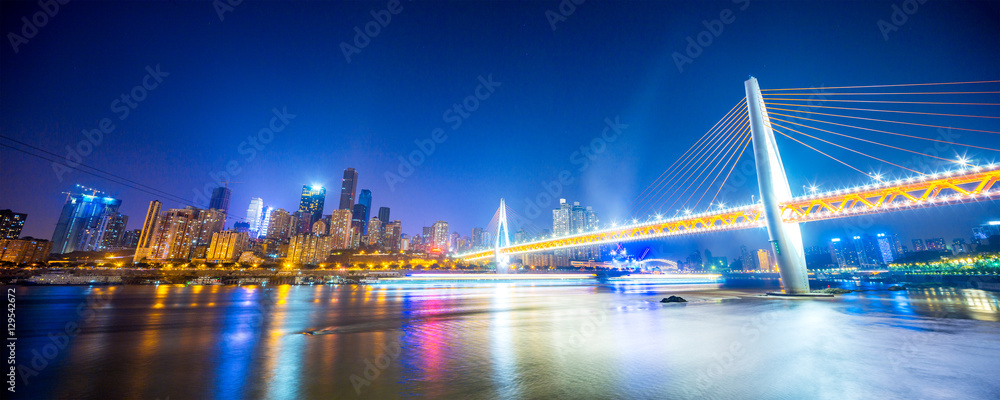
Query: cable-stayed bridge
(750, 123)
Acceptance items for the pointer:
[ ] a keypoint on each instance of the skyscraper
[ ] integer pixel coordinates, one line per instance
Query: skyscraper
(11, 224)
(280, 225)
(175, 232)
(255, 215)
(562, 219)
(360, 211)
(312, 201)
(82, 222)
(392, 239)
(365, 198)
(114, 231)
(220, 199)
(439, 236)
(145, 244)
(383, 215)
(348, 188)
(265, 221)
(375, 233)
(340, 228)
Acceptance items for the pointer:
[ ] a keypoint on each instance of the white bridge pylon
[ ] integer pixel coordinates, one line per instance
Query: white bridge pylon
(785, 237)
(502, 240)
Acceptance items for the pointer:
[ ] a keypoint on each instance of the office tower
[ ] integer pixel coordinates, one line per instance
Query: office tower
(348, 188)
(312, 201)
(360, 211)
(82, 222)
(562, 219)
(227, 246)
(114, 230)
(886, 248)
(383, 215)
(439, 236)
(145, 244)
(27, 250)
(220, 199)
(255, 215)
(375, 230)
(365, 198)
(175, 231)
(918, 245)
(392, 238)
(340, 228)
(477, 238)
(11, 224)
(280, 225)
(577, 218)
(591, 223)
(265, 221)
(764, 260)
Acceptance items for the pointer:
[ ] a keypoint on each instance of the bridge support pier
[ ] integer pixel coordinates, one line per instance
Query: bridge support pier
(785, 238)
(503, 240)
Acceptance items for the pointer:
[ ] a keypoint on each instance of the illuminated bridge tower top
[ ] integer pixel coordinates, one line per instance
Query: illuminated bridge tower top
(502, 240)
(785, 237)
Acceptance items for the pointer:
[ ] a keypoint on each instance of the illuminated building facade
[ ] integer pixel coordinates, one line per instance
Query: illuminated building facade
(312, 201)
(347, 189)
(82, 222)
(11, 224)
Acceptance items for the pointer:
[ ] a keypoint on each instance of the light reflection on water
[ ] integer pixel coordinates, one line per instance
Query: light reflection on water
(510, 340)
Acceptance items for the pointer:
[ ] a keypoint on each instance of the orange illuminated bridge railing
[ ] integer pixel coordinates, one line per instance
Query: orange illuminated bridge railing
(968, 185)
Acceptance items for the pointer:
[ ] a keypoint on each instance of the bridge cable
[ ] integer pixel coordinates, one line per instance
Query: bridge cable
(890, 111)
(651, 185)
(742, 152)
(820, 152)
(872, 86)
(746, 141)
(857, 138)
(887, 101)
(697, 147)
(738, 140)
(880, 94)
(883, 120)
(886, 132)
(852, 150)
(666, 188)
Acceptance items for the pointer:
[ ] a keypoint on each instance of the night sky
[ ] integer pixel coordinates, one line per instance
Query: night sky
(556, 87)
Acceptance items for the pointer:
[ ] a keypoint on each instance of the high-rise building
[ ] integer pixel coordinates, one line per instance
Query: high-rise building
(255, 215)
(844, 254)
(280, 225)
(383, 215)
(27, 250)
(319, 228)
(220, 199)
(347, 189)
(981, 234)
(764, 260)
(175, 232)
(375, 230)
(307, 248)
(886, 248)
(477, 238)
(114, 230)
(130, 240)
(439, 236)
(918, 245)
(265, 222)
(312, 201)
(207, 223)
(340, 228)
(392, 238)
(11, 224)
(145, 244)
(360, 211)
(82, 222)
(562, 219)
(301, 222)
(365, 197)
(227, 246)
(577, 218)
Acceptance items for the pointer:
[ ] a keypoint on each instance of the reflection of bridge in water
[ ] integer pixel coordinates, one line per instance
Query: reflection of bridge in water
(778, 210)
